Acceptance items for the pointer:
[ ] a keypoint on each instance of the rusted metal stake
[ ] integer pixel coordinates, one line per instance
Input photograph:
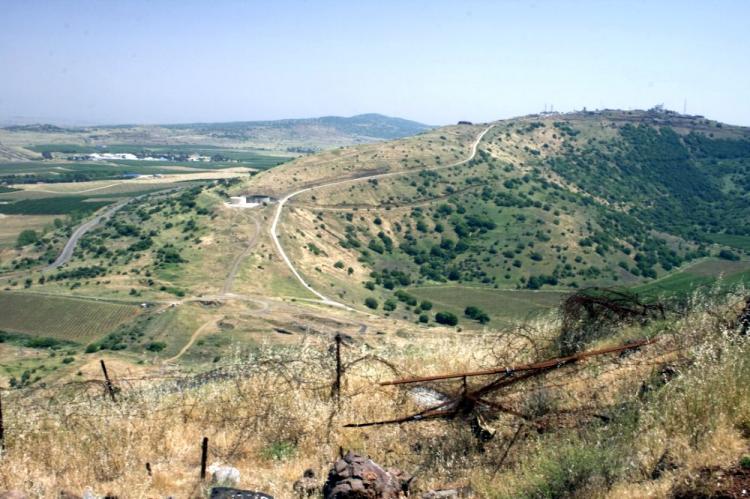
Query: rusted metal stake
(537, 366)
(204, 457)
(108, 382)
(507, 449)
(2, 428)
(337, 383)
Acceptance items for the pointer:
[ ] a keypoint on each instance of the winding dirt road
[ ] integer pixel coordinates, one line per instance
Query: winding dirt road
(283, 201)
(196, 333)
(234, 269)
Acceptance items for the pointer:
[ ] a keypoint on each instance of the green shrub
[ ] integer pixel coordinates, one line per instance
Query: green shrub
(27, 237)
(278, 451)
(156, 346)
(567, 470)
(44, 343)
(724, 254)
(446, 318)
(477, 314)
(371, 303)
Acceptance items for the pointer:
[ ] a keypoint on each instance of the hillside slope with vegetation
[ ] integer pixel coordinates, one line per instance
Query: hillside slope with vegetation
(668, 418)
(549, 203)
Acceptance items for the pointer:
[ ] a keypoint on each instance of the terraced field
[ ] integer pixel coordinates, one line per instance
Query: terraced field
(71, 319)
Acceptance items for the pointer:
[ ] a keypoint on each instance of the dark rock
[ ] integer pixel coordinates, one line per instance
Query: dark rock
(357, 477)
(230, 493)
(307, 486)
(664, 375)
(665, 463)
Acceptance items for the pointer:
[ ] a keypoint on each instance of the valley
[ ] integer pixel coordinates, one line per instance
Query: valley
(395, 232)
(451, 249)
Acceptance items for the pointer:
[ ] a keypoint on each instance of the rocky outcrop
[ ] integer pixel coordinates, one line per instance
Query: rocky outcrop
(357, 477)
(307, 486)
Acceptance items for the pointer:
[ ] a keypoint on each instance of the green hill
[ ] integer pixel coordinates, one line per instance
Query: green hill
(549, 202)
(365, 126)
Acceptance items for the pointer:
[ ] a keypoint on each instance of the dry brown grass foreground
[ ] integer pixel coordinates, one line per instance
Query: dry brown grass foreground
(614, 426)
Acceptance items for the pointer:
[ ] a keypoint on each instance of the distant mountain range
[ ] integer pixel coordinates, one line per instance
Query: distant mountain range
(371, 125)
(290, 135)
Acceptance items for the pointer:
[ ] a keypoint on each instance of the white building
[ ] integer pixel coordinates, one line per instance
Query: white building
(109, 155)
(250, 201)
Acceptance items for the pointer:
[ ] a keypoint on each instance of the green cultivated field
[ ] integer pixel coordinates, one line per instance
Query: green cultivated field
(704, 273)
(78, 172)
(741, 242)
(250, 159)
(71, 319)
(504, 306)
(52, 206)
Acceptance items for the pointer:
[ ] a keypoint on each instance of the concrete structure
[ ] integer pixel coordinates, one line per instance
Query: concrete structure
(259, 198)
(249, 201)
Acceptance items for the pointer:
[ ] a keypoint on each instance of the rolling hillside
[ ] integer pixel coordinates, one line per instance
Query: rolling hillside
(433, 254)
(27, 142)
(549, 203)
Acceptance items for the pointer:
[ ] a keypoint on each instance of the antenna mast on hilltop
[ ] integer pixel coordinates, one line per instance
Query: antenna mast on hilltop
(684, 106)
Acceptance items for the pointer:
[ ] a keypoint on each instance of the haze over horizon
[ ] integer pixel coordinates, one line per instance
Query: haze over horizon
(95, 62)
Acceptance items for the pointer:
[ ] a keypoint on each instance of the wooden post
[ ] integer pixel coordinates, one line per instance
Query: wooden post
(108, 382)
(204, 457)
(337, 384)
(2, 428)
(148, 469)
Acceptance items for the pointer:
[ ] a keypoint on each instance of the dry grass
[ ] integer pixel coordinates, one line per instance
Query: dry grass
(594, 430)
(12, 225)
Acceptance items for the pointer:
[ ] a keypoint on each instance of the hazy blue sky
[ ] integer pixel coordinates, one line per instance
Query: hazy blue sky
(433, 61)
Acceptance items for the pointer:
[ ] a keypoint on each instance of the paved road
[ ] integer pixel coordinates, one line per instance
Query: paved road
(70, 245)
(67, 252)
(283, 201)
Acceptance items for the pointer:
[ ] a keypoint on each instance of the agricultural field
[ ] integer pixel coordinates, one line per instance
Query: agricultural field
(62, 205)
(710, 272)
(100, 189)
(505, 307)
(67, 319)
(56, 171)
(220, 156)
(735, 241)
